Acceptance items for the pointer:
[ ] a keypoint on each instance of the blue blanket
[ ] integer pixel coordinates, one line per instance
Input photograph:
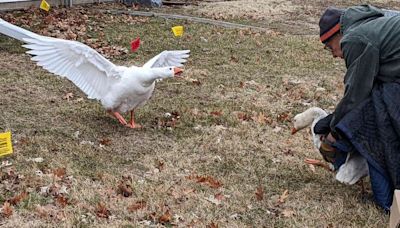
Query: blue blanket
(373, 129)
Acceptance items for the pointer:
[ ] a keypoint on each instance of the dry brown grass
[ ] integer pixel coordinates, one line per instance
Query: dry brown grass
(227, 161)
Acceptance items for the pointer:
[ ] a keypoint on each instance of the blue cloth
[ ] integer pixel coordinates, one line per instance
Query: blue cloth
(373, 129)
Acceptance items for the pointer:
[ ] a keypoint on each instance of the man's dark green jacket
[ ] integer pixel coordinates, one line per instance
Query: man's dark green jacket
(371, 50)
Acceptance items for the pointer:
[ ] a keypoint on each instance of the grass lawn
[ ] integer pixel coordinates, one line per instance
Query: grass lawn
(223, 158)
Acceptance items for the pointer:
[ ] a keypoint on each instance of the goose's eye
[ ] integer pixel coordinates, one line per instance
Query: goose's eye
(170, 68)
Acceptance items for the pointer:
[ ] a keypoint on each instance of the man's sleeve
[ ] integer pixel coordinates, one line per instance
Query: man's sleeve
(362, 62)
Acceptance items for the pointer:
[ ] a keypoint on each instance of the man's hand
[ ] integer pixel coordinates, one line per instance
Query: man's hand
(327, 151)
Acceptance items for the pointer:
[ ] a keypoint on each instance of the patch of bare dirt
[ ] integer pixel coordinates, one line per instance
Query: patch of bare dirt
(247, 9)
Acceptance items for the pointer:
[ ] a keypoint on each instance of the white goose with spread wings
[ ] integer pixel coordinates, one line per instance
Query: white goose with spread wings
(118, 88)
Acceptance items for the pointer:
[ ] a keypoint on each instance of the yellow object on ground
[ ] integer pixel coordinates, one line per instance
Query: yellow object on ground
(44, 5)
(5, 143)
(177, 30)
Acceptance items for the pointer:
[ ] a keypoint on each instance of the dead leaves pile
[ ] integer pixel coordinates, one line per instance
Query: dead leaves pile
(50, 184)
(84, 24)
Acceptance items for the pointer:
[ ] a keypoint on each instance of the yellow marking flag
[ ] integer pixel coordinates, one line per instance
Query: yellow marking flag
(5, 143)
(44, 5)
(177, 30)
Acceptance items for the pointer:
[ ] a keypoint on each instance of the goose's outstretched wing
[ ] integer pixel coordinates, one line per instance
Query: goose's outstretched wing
(168, 58)
(85, 67)
(15, 31)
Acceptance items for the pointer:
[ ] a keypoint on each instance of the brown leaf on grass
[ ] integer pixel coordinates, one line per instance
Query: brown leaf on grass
(49, 211)
(212, 225)
(59, 172)
(283, 197)
(124, 189)
(61, 200)
(216, 113)
(260, 193)
(7, 210)
(160, 165)
(105, 141)
(137, 206)
(18, 198)
(243, 116)
(206, 180)
(283, 117)
(166, 217)
(234, 59)
(288, 213)
(195, 112)
(102, 211)
(241, 85)
(182, 194)
(40, 211)
(261, 118)
(68, 96)
(188, 191)
(288, 152)
(152, 216)
(219, 196)
(194, 81)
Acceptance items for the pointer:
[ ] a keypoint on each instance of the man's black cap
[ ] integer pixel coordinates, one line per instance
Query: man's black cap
(329, 23)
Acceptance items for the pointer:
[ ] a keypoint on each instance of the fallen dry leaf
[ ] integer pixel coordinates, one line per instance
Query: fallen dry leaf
(216, 113)
(68, 96)
(59, 172)
(260, 193)
(212, 225)
(160, 165)
(18, 198)
(137, 206)
(288, 213)
(7, 210)
(181, 194)
(124, 189)
(105, 141)
(62, 201)
(283, 117)
(188, 191)
(102, 211)
(219, 196)
(166, 217)
(243, 116)
(284, 196)
(207, 180)
(288, 152)
(261, 118)
(213, 200)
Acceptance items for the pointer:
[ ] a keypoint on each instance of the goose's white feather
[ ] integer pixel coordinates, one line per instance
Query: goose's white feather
(355, 166)
(118, 88)
(309, 118)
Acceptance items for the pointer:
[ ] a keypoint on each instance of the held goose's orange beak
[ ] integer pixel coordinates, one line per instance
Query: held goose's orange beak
(177, 71)
(294, 130)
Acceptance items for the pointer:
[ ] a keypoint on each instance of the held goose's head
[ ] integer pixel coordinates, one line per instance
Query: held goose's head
(306, 118)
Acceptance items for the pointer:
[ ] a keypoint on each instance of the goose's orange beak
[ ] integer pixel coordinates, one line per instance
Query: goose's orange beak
(177, 71)
(294, 130)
